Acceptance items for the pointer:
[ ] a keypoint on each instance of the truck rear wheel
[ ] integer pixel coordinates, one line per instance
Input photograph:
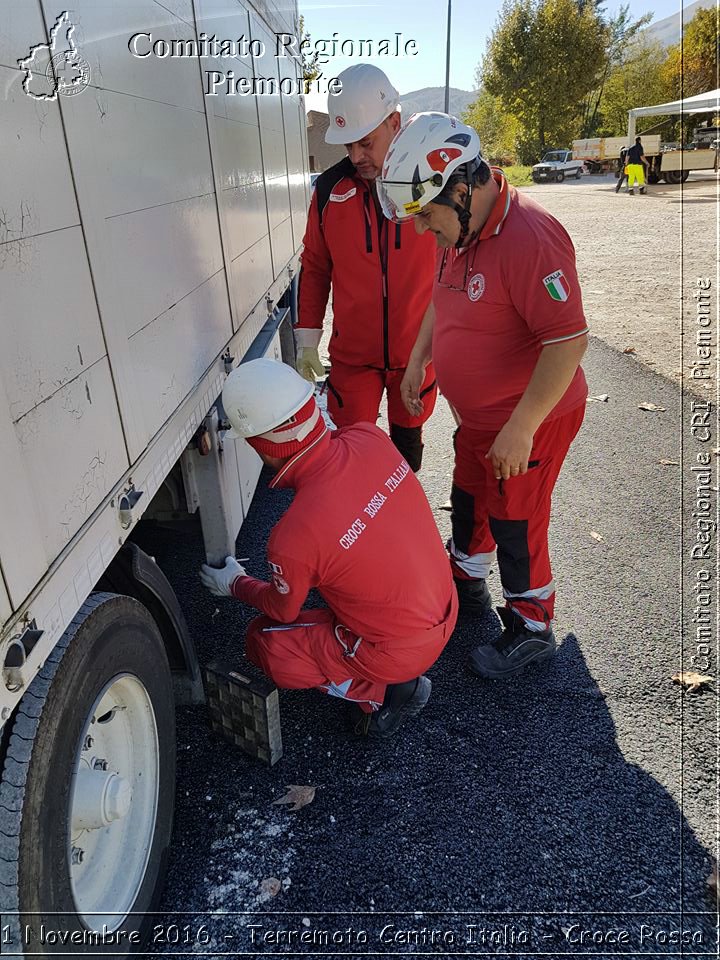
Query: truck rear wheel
(88, 787)
(559, 176)
(673, 176)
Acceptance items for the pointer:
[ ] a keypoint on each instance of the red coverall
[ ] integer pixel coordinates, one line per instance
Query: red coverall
(359, 530)
(382, 275)
(497, 303)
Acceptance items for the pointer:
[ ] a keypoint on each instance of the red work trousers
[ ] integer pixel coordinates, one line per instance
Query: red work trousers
(354, 395)
(512, 515)
(317, 651)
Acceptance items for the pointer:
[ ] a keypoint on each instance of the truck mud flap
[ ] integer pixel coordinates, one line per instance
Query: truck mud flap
(136, 574)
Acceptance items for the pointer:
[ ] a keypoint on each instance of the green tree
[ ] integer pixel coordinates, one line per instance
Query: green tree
(640, 80)
(497, 128)
(310, 67)
(621, 33)
(543, 59)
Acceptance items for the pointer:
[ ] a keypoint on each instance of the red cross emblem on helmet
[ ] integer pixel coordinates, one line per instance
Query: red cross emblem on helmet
(439, 159)
(340, 121)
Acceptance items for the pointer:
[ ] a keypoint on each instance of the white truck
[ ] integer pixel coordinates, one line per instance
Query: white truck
(555, 166)
(149, 237)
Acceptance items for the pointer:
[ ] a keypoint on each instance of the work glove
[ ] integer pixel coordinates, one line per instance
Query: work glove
(219, 582)
(309, 365)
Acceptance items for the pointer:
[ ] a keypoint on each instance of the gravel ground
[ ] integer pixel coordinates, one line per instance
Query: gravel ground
(638, 258)
(582, 796)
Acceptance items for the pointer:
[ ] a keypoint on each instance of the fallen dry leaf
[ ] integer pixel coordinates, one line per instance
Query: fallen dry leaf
(597, 536)
(446, 506)
(600, 398)
(298, 796)
(629, 350)
(669, 463)
(270, 887)
(692, 681)
(653, 407)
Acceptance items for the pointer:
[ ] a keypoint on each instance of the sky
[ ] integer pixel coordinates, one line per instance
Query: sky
(423, 21)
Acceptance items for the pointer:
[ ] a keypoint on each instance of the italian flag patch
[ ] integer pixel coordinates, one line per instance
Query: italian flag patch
(557, 286)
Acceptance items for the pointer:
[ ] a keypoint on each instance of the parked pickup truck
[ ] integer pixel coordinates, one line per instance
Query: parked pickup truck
(556, 165)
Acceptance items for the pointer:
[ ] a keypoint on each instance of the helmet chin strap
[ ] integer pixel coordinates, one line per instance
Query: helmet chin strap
(463, 213)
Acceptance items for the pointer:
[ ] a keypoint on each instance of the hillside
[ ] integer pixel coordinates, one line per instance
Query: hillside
(667, 31)
(433, 98)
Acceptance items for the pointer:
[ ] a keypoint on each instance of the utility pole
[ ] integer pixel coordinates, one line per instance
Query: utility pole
(447, 61)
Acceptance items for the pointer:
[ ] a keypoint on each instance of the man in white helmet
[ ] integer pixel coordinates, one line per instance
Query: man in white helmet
(361, 532)
(381, 273)
(506, 332)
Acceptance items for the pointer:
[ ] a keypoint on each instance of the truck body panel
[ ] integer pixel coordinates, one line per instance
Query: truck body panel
(689, 160)
(148, 230)
(608, 148)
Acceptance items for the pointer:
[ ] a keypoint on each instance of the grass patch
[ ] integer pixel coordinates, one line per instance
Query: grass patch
(518, 176)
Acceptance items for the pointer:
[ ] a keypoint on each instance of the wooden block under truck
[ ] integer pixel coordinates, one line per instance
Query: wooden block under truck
(149, 241)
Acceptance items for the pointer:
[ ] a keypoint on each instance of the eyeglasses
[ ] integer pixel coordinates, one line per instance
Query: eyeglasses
(469, 265)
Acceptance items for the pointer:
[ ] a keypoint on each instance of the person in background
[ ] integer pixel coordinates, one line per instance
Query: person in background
(622, 171)
(636, 165)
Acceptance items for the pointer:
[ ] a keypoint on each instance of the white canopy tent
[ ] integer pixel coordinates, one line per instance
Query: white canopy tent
(701, 103)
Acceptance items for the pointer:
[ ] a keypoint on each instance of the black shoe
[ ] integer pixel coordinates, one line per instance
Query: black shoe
(402, 700)
(474, 597)
(642, 189)
(516, 647)
(631, 193)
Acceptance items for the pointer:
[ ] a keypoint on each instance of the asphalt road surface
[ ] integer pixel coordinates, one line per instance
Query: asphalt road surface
(569, 812)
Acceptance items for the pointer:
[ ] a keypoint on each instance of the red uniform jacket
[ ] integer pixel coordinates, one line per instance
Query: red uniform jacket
(361, 531)
(381, 273)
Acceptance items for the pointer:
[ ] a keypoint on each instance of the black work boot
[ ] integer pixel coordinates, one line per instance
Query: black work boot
(401, 700)
(474, 597)
(516, 647)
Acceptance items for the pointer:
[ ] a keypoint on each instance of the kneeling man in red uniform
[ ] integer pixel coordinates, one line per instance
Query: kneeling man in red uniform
(361, 532)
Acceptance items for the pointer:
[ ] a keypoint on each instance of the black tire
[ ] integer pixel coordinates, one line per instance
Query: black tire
(110, 635)
(652, 177)
(673, 176)
(685, 175)
(578, 173)
(559, 176)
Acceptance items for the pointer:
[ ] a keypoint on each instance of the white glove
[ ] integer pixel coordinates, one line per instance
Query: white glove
(309, 365)
(219, 582)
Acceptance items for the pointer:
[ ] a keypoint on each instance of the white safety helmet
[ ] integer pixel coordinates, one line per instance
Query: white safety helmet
(366, 99)
(262, 394)
(423, 154)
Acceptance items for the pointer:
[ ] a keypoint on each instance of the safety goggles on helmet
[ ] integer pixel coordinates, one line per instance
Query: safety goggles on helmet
(413, 206)
(420, 160)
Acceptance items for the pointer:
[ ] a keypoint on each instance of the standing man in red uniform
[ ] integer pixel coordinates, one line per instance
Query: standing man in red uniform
(381, 273)
(507, 332)
(371, 549)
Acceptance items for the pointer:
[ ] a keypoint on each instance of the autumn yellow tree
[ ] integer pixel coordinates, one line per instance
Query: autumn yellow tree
(692, 66)
(640, 80)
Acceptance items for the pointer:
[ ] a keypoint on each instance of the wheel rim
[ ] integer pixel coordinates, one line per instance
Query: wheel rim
(113, 803)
